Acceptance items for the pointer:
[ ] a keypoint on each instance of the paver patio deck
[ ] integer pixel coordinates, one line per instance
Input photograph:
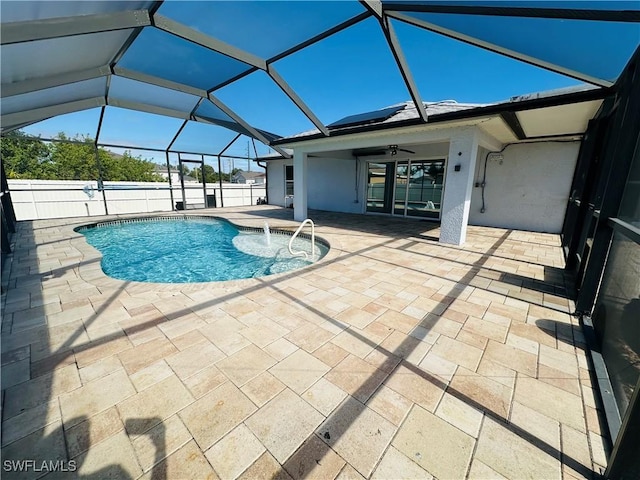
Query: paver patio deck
(392, 357)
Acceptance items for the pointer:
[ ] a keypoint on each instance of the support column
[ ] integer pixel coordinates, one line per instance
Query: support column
(299, 185)
(461, 166)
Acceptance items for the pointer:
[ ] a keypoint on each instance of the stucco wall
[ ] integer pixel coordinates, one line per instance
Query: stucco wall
(332, 184)
(275, 184)
(528, 189)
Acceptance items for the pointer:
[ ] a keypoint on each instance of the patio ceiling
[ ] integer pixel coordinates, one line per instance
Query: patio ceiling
(173, 58)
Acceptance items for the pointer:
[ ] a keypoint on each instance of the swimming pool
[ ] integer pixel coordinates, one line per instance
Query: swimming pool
(193, 249)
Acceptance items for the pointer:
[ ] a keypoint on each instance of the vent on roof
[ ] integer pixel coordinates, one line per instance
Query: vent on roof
(367, 118)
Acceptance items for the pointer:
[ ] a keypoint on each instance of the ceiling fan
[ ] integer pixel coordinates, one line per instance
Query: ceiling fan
(380, 151)
(394, 149)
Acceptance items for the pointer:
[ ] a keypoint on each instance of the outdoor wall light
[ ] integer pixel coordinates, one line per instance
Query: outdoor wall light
(457, 168)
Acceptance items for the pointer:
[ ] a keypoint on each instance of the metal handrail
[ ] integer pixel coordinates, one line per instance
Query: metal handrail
(313, 240)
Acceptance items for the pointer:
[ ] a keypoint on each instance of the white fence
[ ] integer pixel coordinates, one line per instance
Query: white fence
(42, 199)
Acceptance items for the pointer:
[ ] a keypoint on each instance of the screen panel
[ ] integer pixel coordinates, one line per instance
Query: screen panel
(571, 44)
(350, 72)
(203, 138)
(54, 96)
(262, 104)
(23, 11)
(166, 56)
(131, 128)
(445, 68)
(135, 91)
(44, 58)
(262, 28)
(76, 124)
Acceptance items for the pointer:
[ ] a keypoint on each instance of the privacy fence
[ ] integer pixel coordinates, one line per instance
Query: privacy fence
(42, 199)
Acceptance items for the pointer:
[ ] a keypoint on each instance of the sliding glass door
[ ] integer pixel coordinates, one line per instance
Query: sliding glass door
(406, 188)
(380, 187)
(426, 181)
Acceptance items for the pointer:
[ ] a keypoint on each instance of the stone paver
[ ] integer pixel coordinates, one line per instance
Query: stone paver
(81, 436)
(512, 456)
(159, 442)
(396, 465)
(188, 462)
(284, 423)
(265, 467)
(263, 388)
(324, 396)
(32, 393)
(356, 377)
(154, 404)
(314, 460)
(245, 364)
(235, 452)
(390, 404)
(380, 361)
(111, 458)
(357, 434)
(299, 371)
(95, 396)
(29, 421)
(214, 415)
(427, 440)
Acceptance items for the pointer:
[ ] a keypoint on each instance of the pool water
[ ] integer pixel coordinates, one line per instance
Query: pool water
(190, 250)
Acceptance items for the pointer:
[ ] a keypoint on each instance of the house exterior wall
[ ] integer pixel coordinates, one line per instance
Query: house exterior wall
(331, 186)
(275, 185)
(337, 177)
(528, 189)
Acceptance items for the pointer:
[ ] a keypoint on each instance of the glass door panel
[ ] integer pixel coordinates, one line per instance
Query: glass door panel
(425, 183)
(400, 195)
(379, 187)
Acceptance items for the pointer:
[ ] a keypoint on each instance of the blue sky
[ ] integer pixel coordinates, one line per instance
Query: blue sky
(354, 71)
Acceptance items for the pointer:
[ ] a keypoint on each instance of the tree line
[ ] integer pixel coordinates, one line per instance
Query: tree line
(210, 175)
(26, 157)
(31, 158)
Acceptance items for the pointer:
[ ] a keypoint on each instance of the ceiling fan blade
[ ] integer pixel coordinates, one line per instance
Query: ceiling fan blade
(405, 150)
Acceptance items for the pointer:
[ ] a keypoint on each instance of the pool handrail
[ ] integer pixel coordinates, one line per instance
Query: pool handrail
(313, 240)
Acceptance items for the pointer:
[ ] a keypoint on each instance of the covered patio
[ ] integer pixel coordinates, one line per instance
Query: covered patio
(394, 356)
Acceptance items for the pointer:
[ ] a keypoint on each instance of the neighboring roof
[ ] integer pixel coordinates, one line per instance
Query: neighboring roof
(249, 175)
(172, 58)
(163, 168)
